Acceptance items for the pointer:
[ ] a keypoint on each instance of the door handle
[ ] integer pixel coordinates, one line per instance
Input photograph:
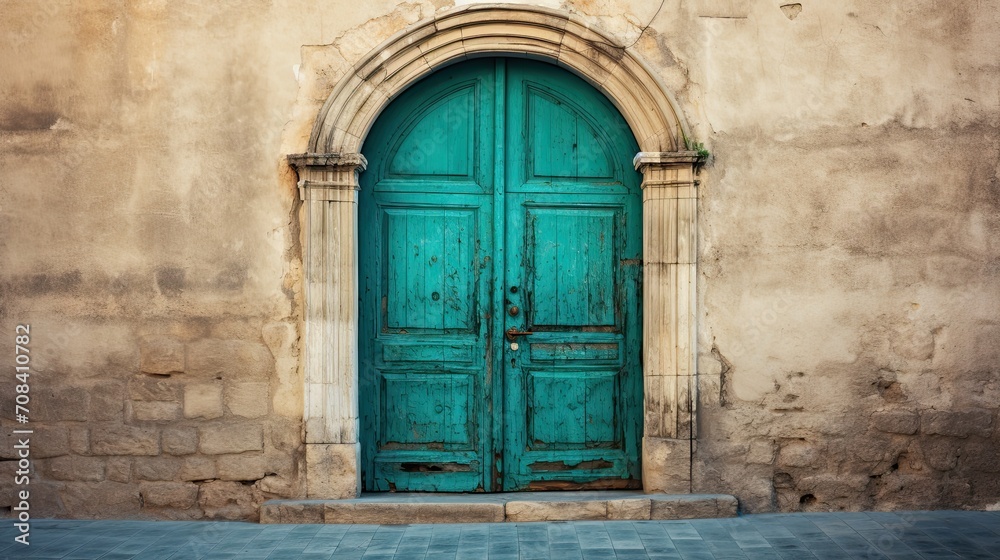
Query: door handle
(512, 332)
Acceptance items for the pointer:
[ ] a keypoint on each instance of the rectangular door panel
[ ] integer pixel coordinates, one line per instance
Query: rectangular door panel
(428, 411)
(571, 409)
(430, 273)
(571, 256)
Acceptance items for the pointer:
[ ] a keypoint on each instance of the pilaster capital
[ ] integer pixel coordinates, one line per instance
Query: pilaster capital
(667, 174)
(326, 176)
(683, 158)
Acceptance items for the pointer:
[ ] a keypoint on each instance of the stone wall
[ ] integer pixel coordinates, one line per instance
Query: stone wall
(848, 287)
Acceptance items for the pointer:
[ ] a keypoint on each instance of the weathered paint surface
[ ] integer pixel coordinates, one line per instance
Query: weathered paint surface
(495, 204)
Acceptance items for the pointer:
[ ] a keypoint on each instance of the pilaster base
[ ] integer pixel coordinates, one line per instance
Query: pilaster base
(666, 465)
(332, 471)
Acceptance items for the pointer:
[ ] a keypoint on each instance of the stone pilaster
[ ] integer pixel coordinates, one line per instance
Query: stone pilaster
(328, 185)
(669, 207)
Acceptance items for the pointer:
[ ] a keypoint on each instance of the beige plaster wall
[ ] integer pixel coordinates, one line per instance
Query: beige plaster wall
(848, 287)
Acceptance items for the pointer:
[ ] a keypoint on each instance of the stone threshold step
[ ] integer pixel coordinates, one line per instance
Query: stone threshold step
(407, 508)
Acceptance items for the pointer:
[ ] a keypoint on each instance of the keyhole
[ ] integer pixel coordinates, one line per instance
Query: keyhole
(435, 296)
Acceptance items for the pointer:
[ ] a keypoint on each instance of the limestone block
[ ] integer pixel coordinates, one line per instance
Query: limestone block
(71, 404)
(277, 485)
(303, 511)
(180, 441)
(249, 400)
(161, 354)
(761, 452)
(79, 440)
(231, 359)
(875, 448)
(896, 421)
(227, 500)
(694, 506)
(561, 511)
(157, 468)
(203, 400)
(402, 513)
(666, 465)
(288, 400)
(281, 338)
(285, 435)
(124, 440)
(156, 411)
(45, 498)
(332, 471)
(958, 424)
(107, 402)
(96, 500)
(235, 438)
(245, 466)
(830, 487)
(181, 495)
(197, 468)
(798, 454)
(73, 467)
(628, 509)
(981, 457)
(118, 469)
(956, 491)
(49, 441)
(146, 388)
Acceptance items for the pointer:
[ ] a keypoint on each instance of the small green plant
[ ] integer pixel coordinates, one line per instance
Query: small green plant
(699, 148)
(703, 152)
(692, 146)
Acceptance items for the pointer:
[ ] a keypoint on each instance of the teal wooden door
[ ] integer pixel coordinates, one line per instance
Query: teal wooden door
(499, 201)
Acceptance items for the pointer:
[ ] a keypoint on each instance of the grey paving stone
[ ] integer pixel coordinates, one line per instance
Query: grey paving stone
(892, 535)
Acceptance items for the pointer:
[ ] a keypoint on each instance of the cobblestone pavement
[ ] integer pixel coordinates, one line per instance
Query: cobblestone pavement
(943, 534)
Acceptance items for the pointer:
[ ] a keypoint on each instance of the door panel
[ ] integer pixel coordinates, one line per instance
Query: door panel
(570, 262)
(565, 144)
(441, 141)
(428, 256)
(499, 195)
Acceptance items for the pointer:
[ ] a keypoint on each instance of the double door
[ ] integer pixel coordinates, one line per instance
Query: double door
(500, 267)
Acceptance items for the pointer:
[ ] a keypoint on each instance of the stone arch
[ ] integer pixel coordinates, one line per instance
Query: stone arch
(488, 30)
(328, 181)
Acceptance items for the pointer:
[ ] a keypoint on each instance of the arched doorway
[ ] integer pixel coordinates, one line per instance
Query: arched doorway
(500, 241)
(328, 174)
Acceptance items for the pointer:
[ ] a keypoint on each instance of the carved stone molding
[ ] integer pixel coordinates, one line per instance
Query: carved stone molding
(497, 29)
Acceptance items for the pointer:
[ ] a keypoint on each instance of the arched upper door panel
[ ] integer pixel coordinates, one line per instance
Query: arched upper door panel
(441, 129)
(568, 135)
